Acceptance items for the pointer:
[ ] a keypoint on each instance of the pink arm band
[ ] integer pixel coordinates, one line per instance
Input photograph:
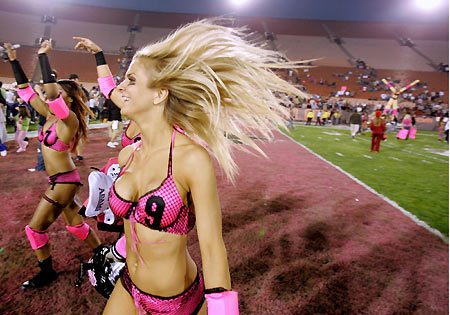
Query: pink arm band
(59, 107)
(389, 85)
(121, 246)
(223, 303)
(106, 85)
(408, 86)
(27, 94)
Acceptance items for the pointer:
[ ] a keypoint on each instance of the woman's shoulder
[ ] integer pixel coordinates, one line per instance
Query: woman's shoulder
(125, 154)
(192, 158)
(192, 153)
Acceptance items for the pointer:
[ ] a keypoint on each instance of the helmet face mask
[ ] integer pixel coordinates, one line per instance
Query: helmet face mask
(103, 272)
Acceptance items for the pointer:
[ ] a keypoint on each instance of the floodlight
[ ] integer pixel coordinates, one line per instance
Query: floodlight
(428, 4)
(239, 2)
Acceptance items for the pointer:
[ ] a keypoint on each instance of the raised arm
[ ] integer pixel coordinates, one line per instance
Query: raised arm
(409, 85)
(24, 90)
(105, 78)
(201, 179)
(55, 99)
(392, 88)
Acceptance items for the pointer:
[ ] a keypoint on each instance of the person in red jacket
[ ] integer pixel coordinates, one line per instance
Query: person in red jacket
(378, 127)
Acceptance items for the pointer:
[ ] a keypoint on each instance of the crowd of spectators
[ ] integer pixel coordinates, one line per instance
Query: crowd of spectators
(425, 102)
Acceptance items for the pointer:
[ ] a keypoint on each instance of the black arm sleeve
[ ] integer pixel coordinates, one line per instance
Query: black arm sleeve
(20, 76)
(47, 74)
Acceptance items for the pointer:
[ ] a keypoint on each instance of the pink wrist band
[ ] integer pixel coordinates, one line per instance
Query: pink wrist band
(59, 107)
(106, 85)
(121, 246)
(27, 94)
(223, 303)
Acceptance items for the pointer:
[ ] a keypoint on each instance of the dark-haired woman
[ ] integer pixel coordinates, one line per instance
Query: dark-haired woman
(64, 128)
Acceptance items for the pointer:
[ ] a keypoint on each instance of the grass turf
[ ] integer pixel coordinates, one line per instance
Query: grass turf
(406, 172)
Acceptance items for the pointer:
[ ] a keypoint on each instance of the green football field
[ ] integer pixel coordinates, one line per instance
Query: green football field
(412, 173)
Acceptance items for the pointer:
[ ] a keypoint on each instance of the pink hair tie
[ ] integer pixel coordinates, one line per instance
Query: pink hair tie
(27, 94)
(106, 85)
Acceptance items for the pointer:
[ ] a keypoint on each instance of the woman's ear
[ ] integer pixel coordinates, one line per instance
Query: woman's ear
(161, 95)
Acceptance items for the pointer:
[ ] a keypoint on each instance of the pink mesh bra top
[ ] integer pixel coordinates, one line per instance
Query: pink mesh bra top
(160, 209)
(127, 141)
(50, 139)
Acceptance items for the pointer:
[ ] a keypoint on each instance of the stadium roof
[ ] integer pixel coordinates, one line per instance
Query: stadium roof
(339, 10)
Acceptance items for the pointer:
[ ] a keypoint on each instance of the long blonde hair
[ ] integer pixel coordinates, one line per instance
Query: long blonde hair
(220, 84)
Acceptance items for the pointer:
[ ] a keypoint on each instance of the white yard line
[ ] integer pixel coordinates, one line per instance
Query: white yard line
(408, 151)
(391, 202)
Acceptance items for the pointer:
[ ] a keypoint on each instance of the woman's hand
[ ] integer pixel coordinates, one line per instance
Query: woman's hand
(38, 88)
(11, 53)
(86, 44)
(46, 46)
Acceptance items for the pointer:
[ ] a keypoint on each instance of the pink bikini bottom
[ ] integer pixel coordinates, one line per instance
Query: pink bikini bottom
(70, 177)
(188, 302)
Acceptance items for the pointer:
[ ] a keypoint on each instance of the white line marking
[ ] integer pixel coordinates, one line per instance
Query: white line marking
(394, 158)
(425, 161)
(333, 133)
(444, 153)
(340, 154)
(409, 151)
(367, 156)
(391, 202)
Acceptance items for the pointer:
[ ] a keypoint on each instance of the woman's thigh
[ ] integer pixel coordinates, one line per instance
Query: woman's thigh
(120, 302)
(46, 212)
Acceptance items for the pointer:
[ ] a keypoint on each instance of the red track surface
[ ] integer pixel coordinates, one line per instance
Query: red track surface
(298, 241)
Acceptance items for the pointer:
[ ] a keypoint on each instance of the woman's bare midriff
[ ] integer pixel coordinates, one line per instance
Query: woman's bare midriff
(167, 268)
(57, 162)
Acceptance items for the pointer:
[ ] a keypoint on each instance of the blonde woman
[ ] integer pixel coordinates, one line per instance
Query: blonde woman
(185, 93)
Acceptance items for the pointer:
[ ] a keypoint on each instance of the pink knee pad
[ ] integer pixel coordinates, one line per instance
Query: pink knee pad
(395, 112)
(37, 239)
(385, 110)
(81, 230)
